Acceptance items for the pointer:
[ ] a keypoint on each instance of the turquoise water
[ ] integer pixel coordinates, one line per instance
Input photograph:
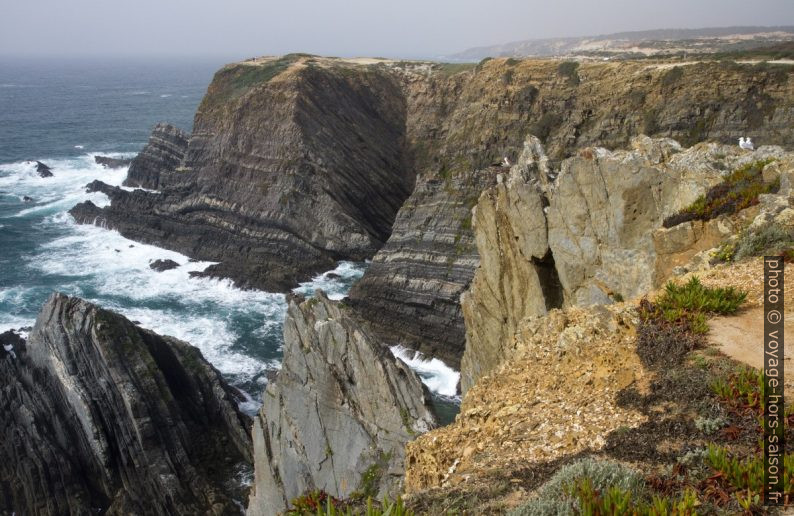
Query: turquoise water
(63, 113)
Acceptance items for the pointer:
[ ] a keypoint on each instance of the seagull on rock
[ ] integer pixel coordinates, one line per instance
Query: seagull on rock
(745, 144)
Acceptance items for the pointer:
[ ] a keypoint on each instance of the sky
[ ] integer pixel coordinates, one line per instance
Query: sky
(397, 28)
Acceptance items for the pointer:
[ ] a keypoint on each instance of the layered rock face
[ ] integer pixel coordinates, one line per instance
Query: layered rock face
(596, 241)
(410, 292)
(290, 167)
(462, 122)
(339, 413)
(161, 157)
(103, 416)
(299, 161)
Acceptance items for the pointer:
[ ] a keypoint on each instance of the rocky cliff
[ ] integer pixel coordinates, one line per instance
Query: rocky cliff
(590, 236)
(338, 414)
(161, 158)
(290, 167)
(299, 161)
(103, 416)
(463, 119)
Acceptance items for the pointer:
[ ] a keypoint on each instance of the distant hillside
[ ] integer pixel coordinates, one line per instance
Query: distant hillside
(639, 43)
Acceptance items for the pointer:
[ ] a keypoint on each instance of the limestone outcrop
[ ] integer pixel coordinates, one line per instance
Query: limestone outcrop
(339, 413)
(101, 415)
(592, 235)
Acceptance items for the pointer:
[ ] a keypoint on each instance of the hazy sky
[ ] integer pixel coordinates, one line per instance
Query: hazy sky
(398, 28)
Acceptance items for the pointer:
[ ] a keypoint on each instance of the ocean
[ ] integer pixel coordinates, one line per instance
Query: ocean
(63, 113)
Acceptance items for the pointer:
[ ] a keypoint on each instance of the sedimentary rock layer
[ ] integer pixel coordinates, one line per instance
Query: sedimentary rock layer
(284, 174)
(594, 243)
(338, 414)
(102, 416)
(160, 159)
(299, 161)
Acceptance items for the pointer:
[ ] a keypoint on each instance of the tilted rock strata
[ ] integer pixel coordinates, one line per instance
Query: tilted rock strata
(281, 177)
(270, 132)
(161, 158)
(99, 414)
(410, 292)
(594, 243)
(341, 408)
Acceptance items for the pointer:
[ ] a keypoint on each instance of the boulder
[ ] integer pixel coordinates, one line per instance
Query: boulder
(161, 265)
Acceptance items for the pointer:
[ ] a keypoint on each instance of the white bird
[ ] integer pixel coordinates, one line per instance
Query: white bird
(745, 144)
(505, 162)
(10, 350)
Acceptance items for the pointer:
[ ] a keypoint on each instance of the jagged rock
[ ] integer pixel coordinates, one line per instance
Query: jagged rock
(102, 416)
(410, 292)
(341, 407)
(267, 125)
(161, 156)
(598, 240)
(26, 198)
(43, 170)
(161, 265)
(112, 162)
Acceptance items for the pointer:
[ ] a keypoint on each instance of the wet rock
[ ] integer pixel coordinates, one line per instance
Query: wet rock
(161, 265)
(112, 162)
(43, 170)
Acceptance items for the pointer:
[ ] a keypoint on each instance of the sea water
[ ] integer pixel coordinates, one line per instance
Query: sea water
(65, 112)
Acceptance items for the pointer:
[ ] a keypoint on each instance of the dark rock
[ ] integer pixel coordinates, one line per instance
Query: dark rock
(341, 407)
(410, 292)
(25, 198)
(43, 170)
(274, 190)
(102, 416)
(163, 265)
(161, 156)
(332, 275)
(112, 162)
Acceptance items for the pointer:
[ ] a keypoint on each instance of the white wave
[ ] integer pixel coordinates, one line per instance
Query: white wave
(12, 322)
(79, 147)
(165, 95)
(438, 376)
(133, 188)
(64, 189)
(138, 93)
(335, 283)
(196, 310)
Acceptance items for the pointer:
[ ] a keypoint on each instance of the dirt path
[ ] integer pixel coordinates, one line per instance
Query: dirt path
(741, 337)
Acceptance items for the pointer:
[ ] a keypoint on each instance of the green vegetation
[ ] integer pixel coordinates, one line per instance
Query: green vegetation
(673, 326)
(320, 503)
(569, 70)
(449, 69)
(770, 240)
(481, 64)
(593, 487)
(511, 62)
(233, 81)
(738, 191)
(672, 76)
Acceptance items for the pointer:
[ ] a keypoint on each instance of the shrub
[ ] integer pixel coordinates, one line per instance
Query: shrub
(320, 503)
(555, 497)
(672, 76)
(738, 191)
(771, 239)
(693, 296)
(569, 70)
